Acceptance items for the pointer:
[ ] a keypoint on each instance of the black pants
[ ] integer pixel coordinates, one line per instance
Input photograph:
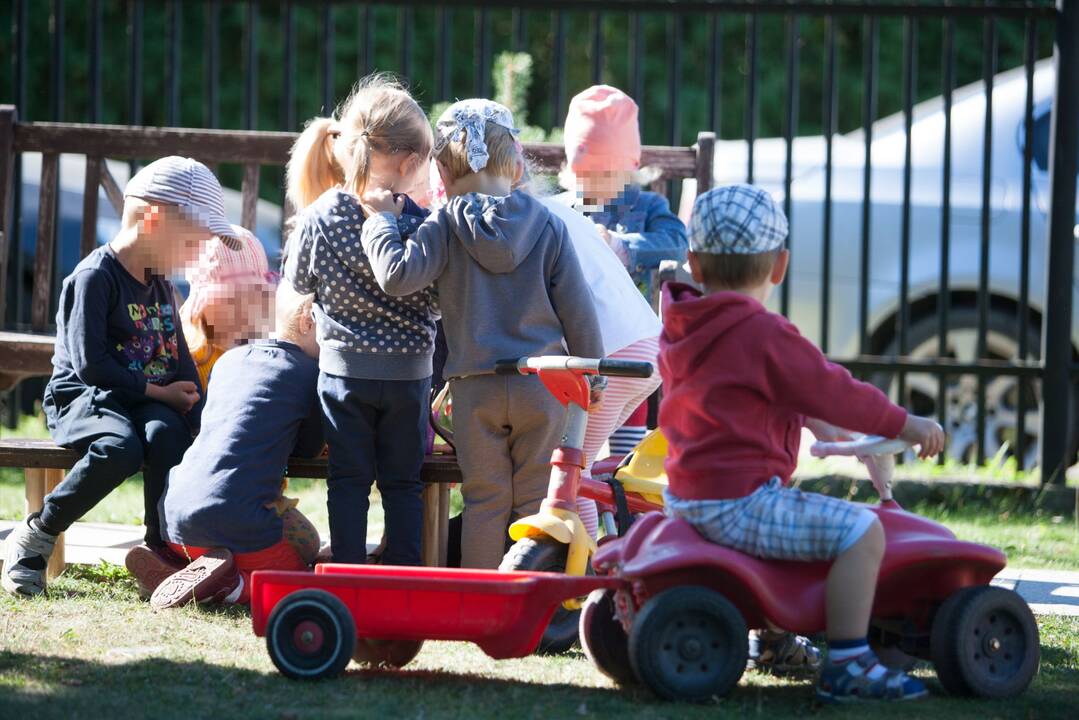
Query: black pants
(117, 438)
(377, 431)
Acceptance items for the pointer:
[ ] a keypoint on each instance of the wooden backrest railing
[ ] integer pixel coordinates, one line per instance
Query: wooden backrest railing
(27, 355)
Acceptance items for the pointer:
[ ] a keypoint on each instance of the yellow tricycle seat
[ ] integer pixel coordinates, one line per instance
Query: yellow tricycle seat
(644, 474)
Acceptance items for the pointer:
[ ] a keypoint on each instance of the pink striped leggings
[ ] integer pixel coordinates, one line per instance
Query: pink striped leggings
(621, 398)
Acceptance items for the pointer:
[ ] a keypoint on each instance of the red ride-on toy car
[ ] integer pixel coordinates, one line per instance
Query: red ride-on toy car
(678, 622)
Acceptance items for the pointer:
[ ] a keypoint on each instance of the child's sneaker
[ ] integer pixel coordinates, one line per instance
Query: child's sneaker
(26, 557)
(151, 565)
(211, 578)
(858, 678)
(782, 653)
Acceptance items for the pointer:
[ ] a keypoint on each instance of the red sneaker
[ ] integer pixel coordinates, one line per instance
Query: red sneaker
(151, 565)
(211, 578)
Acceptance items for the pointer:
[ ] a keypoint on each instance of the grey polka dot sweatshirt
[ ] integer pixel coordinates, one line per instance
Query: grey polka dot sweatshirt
(362, 332)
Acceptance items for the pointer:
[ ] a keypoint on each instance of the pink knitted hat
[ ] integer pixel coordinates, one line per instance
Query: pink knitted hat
(601, 131)
(221, 267)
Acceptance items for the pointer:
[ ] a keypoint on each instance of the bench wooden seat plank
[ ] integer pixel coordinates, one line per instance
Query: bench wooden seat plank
(44, 463)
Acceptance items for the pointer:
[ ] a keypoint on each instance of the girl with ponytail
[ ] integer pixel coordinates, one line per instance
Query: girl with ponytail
(375, 351)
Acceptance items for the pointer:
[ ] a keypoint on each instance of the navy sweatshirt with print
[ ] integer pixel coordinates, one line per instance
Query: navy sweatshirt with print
(362, 332)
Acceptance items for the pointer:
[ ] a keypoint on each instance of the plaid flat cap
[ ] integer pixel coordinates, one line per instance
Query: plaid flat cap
(736, 220)
(189, 185)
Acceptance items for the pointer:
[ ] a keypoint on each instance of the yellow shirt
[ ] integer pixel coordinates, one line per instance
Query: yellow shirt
(204, 354)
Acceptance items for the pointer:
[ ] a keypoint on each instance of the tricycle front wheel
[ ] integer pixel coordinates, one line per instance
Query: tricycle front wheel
(604, 639)
(985, 643)
(689, 643)
(542, 554)
(310, 635)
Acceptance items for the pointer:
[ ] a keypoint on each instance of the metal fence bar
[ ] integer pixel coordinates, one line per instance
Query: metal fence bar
(95, 61)
(558, 71)
(910, 48)
(407, 21)
(943, 304)
(520, 30)
(483, 53)
(288, 51)
(135, 13)
(870, 47)
(367, 55)
(56, 68)
(444, 49)
(828, 123)
(597, 47)
(636, 49)
(327, 58)
(790, 130)
(750, 121)
(213, 60)
(251, 62)
(715, 73)
(674, 79)
(1030, 49)
(989, 69)
(1064, 158)
(174, 25)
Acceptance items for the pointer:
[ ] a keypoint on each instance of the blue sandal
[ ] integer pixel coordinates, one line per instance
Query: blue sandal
(848, 681)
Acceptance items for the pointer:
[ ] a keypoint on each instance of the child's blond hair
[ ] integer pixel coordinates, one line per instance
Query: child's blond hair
(289, 307)
(379, 116)
(502, 148)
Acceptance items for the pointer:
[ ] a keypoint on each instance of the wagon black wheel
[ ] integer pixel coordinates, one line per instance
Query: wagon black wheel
(604, 639)
(985, 643)
(310, 635)
(544, 555)
(689, 643)
(386, 653)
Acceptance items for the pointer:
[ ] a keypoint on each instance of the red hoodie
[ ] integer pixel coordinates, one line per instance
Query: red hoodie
(738, 384)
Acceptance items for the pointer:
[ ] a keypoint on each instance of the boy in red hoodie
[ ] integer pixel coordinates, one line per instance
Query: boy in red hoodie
(741, 383)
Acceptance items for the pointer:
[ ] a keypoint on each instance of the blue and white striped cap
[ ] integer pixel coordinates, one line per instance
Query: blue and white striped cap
(187, 184)
(736, 220)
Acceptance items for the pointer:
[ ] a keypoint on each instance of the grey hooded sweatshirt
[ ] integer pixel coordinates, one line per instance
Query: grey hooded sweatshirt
(362, 332)
(506, 274)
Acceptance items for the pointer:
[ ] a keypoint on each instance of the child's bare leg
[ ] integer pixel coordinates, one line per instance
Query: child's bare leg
(852, 583)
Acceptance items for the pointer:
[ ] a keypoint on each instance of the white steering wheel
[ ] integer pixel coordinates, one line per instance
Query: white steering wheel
(878, 453)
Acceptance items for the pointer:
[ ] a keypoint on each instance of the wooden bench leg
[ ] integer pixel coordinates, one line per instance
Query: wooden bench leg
(39, 483)
(443, 522)
(429, 548)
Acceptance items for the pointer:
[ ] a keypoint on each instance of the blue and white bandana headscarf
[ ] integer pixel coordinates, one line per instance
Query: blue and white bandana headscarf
(469, 118)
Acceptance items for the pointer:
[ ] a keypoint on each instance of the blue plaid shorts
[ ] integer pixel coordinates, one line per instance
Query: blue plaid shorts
(777, 522)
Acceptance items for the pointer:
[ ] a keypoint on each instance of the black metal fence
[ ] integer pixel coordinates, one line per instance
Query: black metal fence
(744, 70)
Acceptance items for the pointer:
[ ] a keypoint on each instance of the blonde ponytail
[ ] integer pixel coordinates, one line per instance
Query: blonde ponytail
(312, 168)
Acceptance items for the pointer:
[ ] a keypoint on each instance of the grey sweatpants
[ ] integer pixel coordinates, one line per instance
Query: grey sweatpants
(505, 428)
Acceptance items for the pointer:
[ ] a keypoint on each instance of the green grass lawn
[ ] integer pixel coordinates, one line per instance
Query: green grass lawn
(94, 650)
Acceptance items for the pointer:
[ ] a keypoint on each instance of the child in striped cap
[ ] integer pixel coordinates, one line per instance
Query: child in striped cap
(231, 299)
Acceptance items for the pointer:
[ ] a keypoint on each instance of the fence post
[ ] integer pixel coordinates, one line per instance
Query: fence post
(9, 115)
(1064, 157)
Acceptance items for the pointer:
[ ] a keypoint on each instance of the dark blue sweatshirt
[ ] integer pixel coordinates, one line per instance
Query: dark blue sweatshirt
(117, 334)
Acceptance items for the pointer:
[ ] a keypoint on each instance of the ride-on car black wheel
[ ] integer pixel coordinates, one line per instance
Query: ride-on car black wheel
(603, 638)
(985, 643)
(386, 653)
(545, 555)
(689, 643)
(310, 635)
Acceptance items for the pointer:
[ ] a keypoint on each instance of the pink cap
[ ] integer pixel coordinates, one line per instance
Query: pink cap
(601, 131)
(221, 267)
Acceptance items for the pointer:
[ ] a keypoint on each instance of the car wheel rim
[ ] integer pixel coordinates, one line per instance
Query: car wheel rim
(1000, 438)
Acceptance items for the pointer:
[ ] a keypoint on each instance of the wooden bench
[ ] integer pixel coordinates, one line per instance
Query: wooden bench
(25, 355)
(45, 463)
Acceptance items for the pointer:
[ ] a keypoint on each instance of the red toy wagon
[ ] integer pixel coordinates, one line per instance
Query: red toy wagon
(314, 623)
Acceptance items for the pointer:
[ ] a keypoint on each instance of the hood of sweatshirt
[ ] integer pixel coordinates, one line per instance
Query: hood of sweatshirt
(497, 232)
(693, 322)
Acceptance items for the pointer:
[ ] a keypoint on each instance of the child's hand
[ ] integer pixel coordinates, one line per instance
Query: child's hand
(181, 395)
(925, 433)
(595, 399)
(603, 232)
(827, 432)
(379, 200)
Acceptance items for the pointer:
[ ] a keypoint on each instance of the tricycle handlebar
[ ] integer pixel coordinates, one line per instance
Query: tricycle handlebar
(580, 366)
